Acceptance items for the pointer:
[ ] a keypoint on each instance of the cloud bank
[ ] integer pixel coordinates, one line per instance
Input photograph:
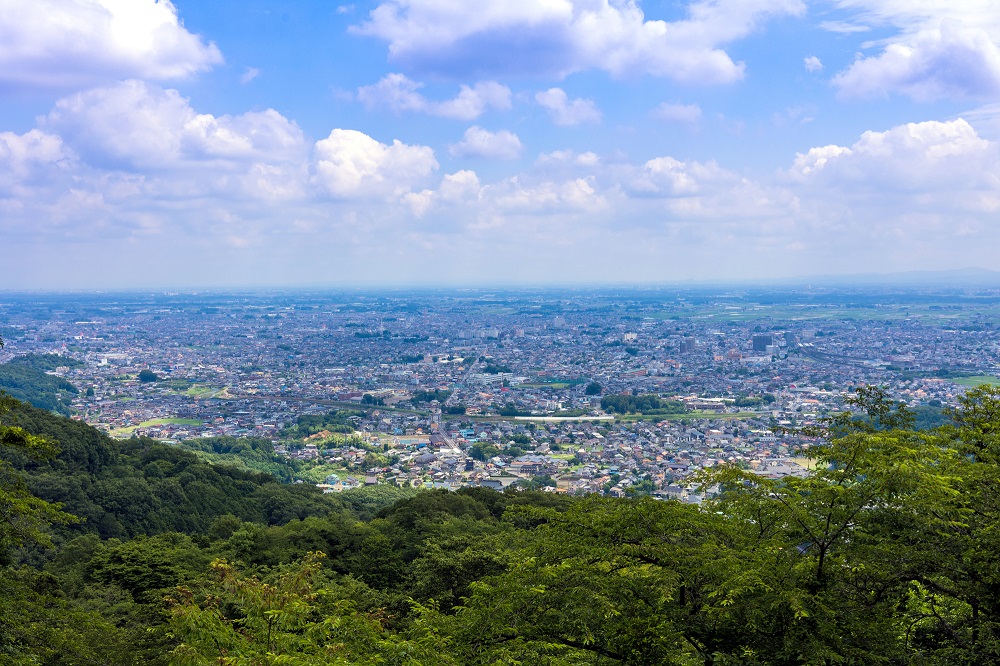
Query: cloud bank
(941, 50)
(525, 37)
(60, 44)
(137, 164)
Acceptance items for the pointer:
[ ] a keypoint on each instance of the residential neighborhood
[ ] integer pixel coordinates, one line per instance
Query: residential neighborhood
(449, 389)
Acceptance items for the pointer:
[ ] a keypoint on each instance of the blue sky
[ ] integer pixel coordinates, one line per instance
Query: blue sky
(253, 143)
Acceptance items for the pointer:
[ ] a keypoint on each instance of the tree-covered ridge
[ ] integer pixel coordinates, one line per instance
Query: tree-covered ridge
(45, 362)
(25, 379)
(141, 486)
(883, 554)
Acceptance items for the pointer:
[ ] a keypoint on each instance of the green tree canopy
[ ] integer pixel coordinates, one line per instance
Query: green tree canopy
(24, 518)
(147, 376)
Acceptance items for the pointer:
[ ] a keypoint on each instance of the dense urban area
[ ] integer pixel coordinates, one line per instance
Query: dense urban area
(621, 392)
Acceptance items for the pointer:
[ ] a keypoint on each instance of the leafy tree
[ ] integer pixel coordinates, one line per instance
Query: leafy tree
(977, 423)
(593, 388)
(45, 362)
(889, 532)
(147, 376)
(510, 409)
(365, 502)
(147, 567)
(339, 421)
(626, 582)
(644, 404)
(243, 620)
(483, 451)
(40, 624)
(880, 413)
(421, 396)
(289, 619)
(23, 516)
(446, 568)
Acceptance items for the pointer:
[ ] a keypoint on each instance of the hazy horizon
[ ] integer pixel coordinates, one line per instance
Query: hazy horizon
(970, 278)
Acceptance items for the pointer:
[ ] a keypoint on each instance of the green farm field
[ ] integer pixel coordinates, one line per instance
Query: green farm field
(127, 432)
(976, 380)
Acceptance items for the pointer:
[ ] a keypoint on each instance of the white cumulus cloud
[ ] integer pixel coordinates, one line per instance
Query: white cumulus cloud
(565, 36)
(813, 64)
(565, 111)
(460, 186)
(74, 43)
(400, 93)
(351, 164)
(668, 177)
(925, 190)
(941, 49)
(569, 157)
(933, 64)
(30, 160)
(138, 125)
(19, 152)
(478, 142)
(930, 157)
(578, 194)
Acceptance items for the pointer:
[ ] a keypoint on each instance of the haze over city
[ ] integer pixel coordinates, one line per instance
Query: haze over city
(186, 144)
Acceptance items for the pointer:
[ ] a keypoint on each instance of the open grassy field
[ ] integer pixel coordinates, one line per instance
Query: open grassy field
(976, 380)
(808, 463)
(318, 473)
(562, 456)
(170, 421)
(127, 432)
(177, 384)
(202, 391)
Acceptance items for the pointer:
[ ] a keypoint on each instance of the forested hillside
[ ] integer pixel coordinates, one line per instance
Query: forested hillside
(142, 487)
(25, 378)
(886, 553)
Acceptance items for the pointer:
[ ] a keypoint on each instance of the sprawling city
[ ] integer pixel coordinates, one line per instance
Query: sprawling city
(445, 389)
